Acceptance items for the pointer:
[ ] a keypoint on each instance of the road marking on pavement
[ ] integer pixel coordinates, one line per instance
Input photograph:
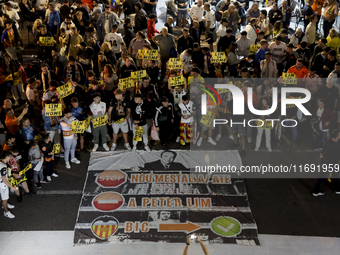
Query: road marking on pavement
(59, 192)
(29, 56)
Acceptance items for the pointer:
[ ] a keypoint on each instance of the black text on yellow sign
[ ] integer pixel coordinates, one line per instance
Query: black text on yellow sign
(81, 126)
(148, 54)
(46, 41)
(65, 90)
(138, 75)
(289, 78)
(126, 83)
(138, 137)
(176, 81)
(53, 110)
(175, 63)
(218, 57)
(265, 124)
(101, 121)
(292, 105)
(17, 78)
(56, 148)
(207, 119)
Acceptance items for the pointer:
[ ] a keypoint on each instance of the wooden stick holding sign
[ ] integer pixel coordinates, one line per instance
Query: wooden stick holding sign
(65, 90)
(53, 110)
(218, 57)
(46, 41)
(100, 121)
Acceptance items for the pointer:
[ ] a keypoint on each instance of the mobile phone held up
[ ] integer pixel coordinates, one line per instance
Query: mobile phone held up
(193, 237)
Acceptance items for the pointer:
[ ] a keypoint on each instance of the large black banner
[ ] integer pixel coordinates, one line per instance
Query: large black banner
(162, 197)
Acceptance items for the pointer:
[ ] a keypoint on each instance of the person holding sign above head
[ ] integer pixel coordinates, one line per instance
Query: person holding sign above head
(119, 113)
(70, 139)
(163, 120)
(98, 110)
(140, 127)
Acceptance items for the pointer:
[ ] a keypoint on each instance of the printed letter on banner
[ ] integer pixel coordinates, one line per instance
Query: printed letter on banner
(208, 118)
(151, 55)
(138, 75)
(17, 78)
(46, 41)
(56, 148)
(289, 78)
(175, 63)
(138, 134)
(266, 125)
(101, 121)
(126, 83)
(218, 57)
(53, 110)
(176, 81)
(65, 90)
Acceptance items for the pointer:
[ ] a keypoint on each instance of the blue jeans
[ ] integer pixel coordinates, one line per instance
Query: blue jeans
(70, 146)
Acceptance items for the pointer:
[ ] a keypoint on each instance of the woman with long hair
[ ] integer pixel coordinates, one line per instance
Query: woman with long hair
(277, 28)
(106, 48)
(109, 77)
(137, 44)
(333, 40)
(36, 27)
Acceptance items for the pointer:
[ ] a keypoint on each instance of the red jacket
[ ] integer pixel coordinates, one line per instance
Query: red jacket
(151, 29)
(327, 116)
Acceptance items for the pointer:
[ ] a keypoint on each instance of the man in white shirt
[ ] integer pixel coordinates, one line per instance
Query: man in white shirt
(196, 13)
(222, 30)
(116, 41)
(243, 44)
(210, 23)
(70, 138)
(251, 30)
(13, 15)
(278, 51)
(98, 109)
(186, 57)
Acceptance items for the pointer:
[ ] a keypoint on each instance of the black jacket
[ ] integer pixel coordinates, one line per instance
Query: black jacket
(183, 44)
(164, 114)
(139, 112)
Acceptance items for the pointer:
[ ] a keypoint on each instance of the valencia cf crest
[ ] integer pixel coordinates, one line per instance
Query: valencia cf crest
(104, 226)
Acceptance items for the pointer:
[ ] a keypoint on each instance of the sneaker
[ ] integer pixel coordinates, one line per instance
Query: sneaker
(55, 175)
(249, 139)
(113, 146)
(147, 148)
(37, 185)
(210, 140)
(68, 166)
(9, 206)
(294, 144)
(75, 160)
(318, 149)
(231, 137)
(177, 139)
(9, 215)
(336, 192)
(62, 155)
(106, 147)
(134, 148)
(256, 149)
(44, 181)
(95, 147)
(49, 178)
(127, 146)
(218, 137)
(199, 142)
(270, 149)
(318, 194)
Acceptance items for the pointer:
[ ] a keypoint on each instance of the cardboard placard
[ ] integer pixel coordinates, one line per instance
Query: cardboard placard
(218, 57)
(56, 148)
(175, 63)
(65, 90)
(176, 81)
(126, 83)
(101, 121)
(207, 119)
(46, 41)
(138, 137)
(80, 126)
(289, 78)
(138, 75)
(151, 55)
(53, 110)
(254, 48)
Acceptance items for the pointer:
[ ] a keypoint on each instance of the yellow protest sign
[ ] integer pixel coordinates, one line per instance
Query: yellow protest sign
(292, 105)
(254, 48)
(151, 55)
(53, 110)
(218, 57)
(138, 137)
(119, 121)
(222, 91)
(100, 83)
(175, 63)
(56, 148)
(126, 83)
(207, 119)
(65, 90)
(101, 121)
(81, 126)
(17, 78)
(140, 54)
(28, 167)
(176, 81)
(46, 41)
(138, 75)
(266, 124)
(289, 78)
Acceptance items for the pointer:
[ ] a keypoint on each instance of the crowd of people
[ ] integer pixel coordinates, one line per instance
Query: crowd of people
(95, 48)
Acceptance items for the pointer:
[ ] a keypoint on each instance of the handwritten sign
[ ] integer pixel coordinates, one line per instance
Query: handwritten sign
(292, 105)
(65, 90)
(289, 78)
(46, 41)
(138, 137)
(81, 126)
(207, 119)
(176, 81)
(101, 121)
(53, 110)
(119, 121)
(266, 124)
(140, 54)
(254, 48)
(222, 91)
(138, 75)
(126, 83)
(175, 63)
(218, 57)
(56, 148)
(151, 55)
(17, 78)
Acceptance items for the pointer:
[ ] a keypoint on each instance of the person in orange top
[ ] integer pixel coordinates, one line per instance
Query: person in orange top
(13, 123)
(317, 8)
(9, 143)
(299, 70)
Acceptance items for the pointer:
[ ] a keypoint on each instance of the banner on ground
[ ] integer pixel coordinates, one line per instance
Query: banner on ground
(65, 90)
(53, 110)
(218, 57)
(158, 197)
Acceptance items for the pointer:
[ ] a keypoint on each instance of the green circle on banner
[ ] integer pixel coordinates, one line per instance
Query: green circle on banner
(226, 226)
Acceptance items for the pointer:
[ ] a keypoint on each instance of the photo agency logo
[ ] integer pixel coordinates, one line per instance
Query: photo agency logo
(239, 97)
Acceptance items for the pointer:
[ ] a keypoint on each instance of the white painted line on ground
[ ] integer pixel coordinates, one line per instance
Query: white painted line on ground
(29, 56)
(59, 192)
